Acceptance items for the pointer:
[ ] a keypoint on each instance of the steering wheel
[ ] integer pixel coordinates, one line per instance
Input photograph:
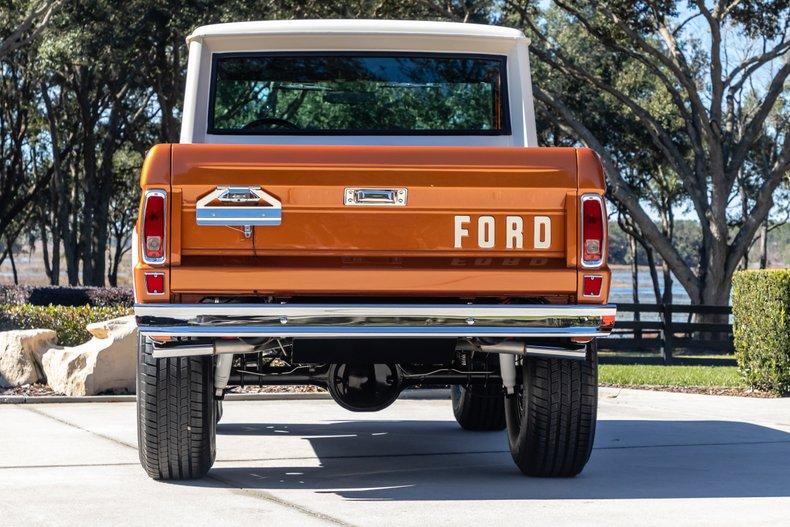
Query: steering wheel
(271, 122)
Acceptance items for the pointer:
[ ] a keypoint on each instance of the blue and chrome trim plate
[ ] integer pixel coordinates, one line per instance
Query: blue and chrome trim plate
(252, 207)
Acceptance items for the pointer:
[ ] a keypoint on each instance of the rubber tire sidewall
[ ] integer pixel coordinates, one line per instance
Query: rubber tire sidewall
(153, 416)
(528, 436)
(478, 411)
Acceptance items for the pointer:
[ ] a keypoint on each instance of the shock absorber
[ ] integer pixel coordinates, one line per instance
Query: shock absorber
(507, 369)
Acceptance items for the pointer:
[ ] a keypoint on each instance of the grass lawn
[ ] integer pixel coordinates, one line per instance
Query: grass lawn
(685, 376)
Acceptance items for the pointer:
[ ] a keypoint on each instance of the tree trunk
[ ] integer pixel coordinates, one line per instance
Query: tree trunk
(62, 204)
(89, 169)
(10, 250)
(45, 250)
(764, 245)
(651, 263)
(716, 293)
(667, 297)
(632, 248)
(55, 280)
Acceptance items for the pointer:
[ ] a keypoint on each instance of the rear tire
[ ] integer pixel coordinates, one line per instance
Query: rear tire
(478, 408)
(551, 417)
(176, 414)
(218, 410)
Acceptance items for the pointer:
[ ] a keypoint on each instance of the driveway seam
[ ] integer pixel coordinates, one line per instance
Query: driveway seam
(257, 494)
(68, 465)
(697, 415)
(267, 496)
(301, 458)
(40, 412)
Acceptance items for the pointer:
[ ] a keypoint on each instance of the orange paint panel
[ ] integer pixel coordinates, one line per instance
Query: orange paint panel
(367, 281)
(571, 229)
(141, 295)
(507, 194)
(175, 227)
(156, 167)
(429, 159)
(403, 232)
(197, 239)
(591, 176)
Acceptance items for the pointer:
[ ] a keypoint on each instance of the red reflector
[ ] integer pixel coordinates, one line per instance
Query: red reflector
(607, 322)
(154, 227)
(155, 283)
(592, 285)
(592, 229)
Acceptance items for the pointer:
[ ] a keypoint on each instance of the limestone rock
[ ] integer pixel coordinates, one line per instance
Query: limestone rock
(106, 363)
(115, 326)
(20, 355)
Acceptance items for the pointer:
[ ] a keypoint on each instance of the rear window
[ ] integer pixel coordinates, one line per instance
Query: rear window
(358, 93)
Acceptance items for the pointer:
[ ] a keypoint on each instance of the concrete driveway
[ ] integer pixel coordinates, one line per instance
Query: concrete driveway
(659, 458)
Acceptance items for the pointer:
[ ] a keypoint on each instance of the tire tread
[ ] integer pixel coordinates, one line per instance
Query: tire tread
(175, 415)
(555, 435)
(478, 412)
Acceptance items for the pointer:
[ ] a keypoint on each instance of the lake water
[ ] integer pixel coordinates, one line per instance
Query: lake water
(622, 290)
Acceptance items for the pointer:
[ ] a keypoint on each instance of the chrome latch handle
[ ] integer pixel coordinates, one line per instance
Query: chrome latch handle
(239, 195)
(388, 197)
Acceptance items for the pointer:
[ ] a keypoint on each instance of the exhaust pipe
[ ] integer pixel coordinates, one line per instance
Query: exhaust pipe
(219, 347)
(513, 347)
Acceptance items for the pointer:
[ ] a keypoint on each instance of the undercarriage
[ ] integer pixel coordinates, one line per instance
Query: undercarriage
(530, 368)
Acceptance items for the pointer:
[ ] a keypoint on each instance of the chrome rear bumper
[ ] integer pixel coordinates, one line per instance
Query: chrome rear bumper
(374, 320)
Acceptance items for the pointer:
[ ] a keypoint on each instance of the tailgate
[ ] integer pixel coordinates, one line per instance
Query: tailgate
(427, 212)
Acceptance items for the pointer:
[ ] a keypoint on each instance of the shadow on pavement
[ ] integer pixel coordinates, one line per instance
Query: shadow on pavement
(436, 460)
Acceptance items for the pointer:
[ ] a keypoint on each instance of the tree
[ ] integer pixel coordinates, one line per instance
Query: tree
(704, 87)
(24, 173)
(21, 33)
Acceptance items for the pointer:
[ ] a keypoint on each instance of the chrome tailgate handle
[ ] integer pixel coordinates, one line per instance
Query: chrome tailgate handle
(387, 197)
(239, 195)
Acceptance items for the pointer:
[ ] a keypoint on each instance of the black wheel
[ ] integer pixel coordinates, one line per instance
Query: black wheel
(176, 418)
(478, 408)
(551, 417)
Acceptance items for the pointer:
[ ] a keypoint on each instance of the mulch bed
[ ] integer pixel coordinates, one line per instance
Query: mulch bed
(29, 390)
(32, 390)
(299, 388)
(704, 390)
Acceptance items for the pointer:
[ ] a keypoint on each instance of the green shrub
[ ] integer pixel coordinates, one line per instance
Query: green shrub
(761, 306)
(66, 295)
(68, 321)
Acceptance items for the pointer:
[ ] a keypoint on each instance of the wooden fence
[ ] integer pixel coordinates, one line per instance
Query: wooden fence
(670, 336)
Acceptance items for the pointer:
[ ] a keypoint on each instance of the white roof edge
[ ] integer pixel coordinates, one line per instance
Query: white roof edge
(351, 27)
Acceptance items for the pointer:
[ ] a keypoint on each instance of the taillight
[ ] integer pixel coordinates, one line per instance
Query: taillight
(591, 285)
(154, 211)
(155, 283)
(593, 230)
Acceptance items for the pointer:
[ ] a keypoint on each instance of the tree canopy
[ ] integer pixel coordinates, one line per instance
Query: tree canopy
(685, 101)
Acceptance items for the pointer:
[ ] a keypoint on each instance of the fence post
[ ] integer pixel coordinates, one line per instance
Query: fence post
(668, 333)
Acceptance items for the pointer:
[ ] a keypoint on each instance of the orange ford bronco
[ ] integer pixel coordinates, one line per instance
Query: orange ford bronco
(361, 206)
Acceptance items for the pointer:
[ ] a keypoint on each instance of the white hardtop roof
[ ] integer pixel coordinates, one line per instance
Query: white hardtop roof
(351, 27)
